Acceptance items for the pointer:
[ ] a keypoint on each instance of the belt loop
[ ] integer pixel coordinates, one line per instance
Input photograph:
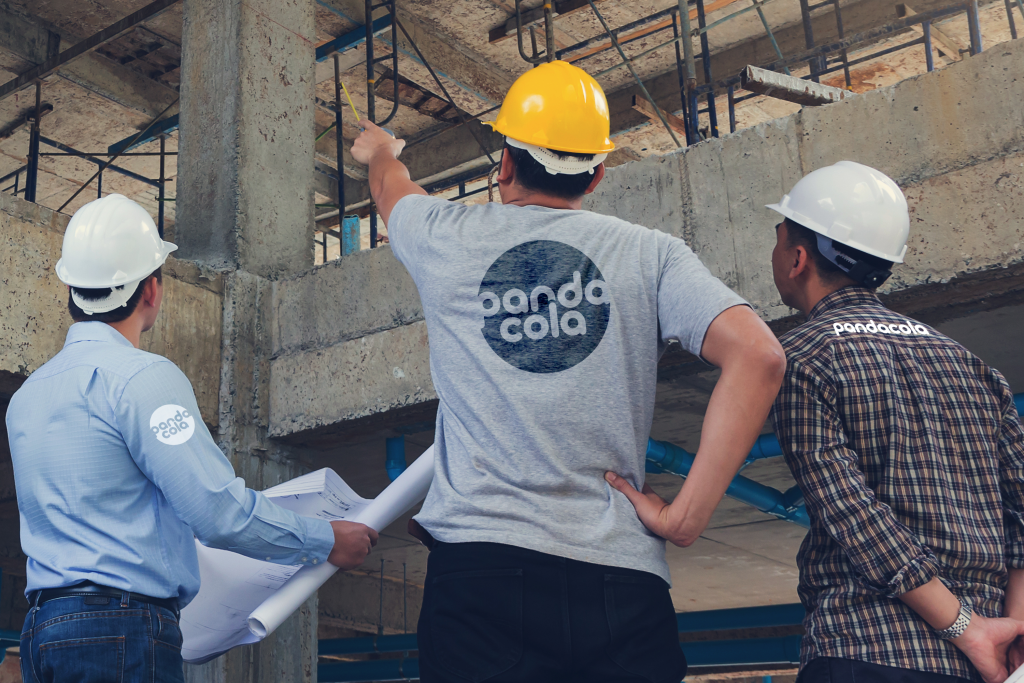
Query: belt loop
(35, 598)
(124, 598)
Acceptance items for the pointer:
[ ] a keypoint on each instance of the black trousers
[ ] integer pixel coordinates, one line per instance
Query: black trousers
(504, 614)
(835, 670)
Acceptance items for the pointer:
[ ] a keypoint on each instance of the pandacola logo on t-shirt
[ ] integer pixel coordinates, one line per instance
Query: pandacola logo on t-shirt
(544, 306)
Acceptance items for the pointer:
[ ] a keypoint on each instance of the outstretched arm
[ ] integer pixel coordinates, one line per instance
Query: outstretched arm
(753, 364)
(389, 178)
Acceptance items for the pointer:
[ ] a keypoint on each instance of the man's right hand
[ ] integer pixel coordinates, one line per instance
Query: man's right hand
(986, 641)
(352, 543)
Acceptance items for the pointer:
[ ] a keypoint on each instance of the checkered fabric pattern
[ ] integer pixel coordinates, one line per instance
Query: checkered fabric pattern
(910, 455)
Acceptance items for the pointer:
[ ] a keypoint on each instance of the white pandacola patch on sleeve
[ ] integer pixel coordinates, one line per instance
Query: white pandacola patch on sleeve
(172, 425)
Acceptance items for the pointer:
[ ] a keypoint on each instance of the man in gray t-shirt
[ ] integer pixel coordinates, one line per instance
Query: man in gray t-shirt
(546, 324)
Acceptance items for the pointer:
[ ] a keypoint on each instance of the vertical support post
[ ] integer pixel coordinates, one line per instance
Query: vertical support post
(687, 32)
(732, 109)
(705, 52)
(338, 139)
(99, 184)
(842, 34)
(929, 59)
(371, 75)
(682, 79)
(163, 181)
(816, 64)
(373, 226)
(32, 172)
(974, 24)
(350, 235)
(1009, 18)
(323, 245)
(549, 32)
(17, 177)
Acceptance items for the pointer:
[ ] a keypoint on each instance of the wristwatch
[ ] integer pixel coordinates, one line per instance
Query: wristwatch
(959, 626)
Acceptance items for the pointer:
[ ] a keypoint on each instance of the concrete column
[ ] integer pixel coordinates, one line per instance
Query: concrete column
(245, 206)
(245, 184)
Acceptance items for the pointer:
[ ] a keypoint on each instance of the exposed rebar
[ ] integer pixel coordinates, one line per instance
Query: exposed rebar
(636, 76)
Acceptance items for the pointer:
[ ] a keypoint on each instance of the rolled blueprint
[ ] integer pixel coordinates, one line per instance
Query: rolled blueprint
(394, 501)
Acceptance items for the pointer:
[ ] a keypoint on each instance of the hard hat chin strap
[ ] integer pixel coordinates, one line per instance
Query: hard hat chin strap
(861, 272)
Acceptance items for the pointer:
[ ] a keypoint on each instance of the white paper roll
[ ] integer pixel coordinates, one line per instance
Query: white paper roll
(410, 488)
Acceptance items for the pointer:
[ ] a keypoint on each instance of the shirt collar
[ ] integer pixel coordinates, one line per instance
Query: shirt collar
(95, 331)
(851, 295)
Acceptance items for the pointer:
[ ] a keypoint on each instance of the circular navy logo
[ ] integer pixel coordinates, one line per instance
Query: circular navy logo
(544, 306)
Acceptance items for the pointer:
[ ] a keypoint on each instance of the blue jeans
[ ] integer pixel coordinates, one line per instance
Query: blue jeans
(117, 641)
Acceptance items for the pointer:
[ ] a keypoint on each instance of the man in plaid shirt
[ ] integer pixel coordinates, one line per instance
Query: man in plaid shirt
(908, 450)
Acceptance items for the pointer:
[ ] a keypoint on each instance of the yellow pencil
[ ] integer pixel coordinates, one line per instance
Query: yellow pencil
(350, 101)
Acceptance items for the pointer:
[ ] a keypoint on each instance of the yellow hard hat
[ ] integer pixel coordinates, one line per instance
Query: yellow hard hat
(557, 106)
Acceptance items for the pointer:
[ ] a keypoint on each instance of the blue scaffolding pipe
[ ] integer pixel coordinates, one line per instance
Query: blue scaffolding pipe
(368, 645)
(394, 462)
(675, 460)
(743, 617)
(747, 651)
(356, 36)
(168, 125)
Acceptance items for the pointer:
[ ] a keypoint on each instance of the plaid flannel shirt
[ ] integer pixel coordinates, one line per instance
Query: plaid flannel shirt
(910, 456)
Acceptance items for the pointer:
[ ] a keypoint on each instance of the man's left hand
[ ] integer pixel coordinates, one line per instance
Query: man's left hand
(375, 140)
(655, 513)
(986, 643)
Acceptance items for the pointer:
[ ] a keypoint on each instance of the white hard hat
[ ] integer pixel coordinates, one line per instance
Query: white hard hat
(854, 205)
(110, 242)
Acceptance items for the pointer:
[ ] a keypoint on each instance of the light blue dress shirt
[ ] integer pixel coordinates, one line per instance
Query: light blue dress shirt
(115, 471)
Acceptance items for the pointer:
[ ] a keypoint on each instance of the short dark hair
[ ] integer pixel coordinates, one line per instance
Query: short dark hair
(533, 176)
(118, 314)
(830, 273)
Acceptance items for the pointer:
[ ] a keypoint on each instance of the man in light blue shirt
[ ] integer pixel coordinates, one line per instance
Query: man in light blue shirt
(116, 473)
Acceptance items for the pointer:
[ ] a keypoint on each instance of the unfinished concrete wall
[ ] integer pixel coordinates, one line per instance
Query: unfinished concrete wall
(953, 139)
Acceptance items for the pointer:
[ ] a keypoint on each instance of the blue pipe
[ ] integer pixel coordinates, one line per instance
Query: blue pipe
(766, 616)
(370, 644)
(395, 461)
(673, 459)
(778, 650)
(1018, 400)
(766, 446)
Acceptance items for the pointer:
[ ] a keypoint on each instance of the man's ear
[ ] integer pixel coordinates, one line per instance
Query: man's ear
(149, 291)
(800, 263)
(596, 180)
(507, 172)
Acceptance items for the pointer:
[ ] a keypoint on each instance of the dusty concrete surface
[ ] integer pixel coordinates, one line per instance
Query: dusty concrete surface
(960, 162)
(374, 374)
(247, 135)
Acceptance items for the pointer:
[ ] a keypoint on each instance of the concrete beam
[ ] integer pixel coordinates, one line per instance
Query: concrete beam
(471, 78)
(339, 367)
(127, 87)
(27, 39)
(790, 88)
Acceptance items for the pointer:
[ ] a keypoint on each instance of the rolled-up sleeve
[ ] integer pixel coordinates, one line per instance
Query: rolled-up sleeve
(161, 425)
(888, 558)
(1011, 479)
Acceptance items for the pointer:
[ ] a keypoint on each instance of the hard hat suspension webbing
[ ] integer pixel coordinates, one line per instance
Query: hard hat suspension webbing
(860, 270)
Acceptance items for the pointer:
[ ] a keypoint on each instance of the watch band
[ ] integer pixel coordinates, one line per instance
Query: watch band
(959, 626)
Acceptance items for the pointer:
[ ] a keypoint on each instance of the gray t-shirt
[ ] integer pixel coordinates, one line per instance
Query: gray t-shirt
(545, 329)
